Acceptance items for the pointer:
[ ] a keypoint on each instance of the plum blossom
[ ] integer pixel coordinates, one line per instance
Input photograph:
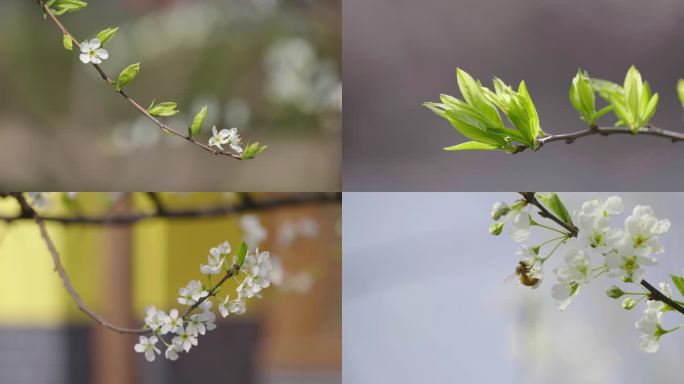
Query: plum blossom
(192, 293)
(226, 136)
(520, 226)
(153, 318)
(643, 228)
(92, 53)
(227, 306)
(185, 339)
(172, 322)
(148, 347)
(253, 232)
(576, 271)
(215, 261)
(593, 223)
(650, 327)
(171, 352)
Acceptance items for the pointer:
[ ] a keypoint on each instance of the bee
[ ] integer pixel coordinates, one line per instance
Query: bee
(527, 272)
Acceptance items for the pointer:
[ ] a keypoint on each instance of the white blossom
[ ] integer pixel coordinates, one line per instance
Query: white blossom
(649, 325)
(148, 347)
(185, 339)
(171, 352)
(227, 306)
(290, 230)
(626, 263)
(154, 318)
(252, 230)
(593, 223)
(215, 262)
(92, 53)
(226, 136)
(192, 293)
(172, 323)
(643, 228)
(520, 226)
(576, 271)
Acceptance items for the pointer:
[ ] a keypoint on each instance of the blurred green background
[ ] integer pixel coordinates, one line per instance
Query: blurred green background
(291, 335)
(269, 67)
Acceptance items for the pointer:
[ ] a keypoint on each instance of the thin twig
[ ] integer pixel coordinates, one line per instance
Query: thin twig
(135, 104)
(659, 296)
(530, 198)
(65, 278)
(570, 138)
(204, 212)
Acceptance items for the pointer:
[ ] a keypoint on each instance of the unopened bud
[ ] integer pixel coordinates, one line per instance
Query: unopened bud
(499, 210)
(614, 292)
(496, 228)
(628, 303)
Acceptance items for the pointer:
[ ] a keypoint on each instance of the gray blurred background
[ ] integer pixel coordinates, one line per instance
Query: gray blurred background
(400, 53)
(269, 67)
(424, 299)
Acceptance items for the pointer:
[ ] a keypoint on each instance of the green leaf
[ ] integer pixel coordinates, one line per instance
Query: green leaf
(582, 97)
(167, 108)
(606, 89)
(680, 91)
(197, 122)
(60, 7)
(554, 203)
(105, 35)
(68, 43)
(252, 150)
(679, 283)
(471, 145)
(649, 110)
(241, 254)
(127, 75)
(473, 95)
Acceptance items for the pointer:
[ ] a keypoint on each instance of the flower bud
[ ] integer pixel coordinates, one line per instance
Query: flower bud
(614, 292)
(496, 228)
(628, 303)
(499, 210)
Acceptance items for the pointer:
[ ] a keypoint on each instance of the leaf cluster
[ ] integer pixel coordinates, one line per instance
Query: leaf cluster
(477, 116)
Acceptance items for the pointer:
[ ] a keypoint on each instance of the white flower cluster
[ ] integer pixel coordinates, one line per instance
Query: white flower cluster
(621, 252)
(597, 247)
(183, 331)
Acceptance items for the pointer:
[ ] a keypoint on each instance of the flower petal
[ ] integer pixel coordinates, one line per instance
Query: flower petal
(236, 148)
(102, 53)
(94, 43)
(85, 47)
(85, 58)
(95, 60)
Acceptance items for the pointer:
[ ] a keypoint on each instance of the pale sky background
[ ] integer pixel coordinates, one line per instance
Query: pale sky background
(424, 299)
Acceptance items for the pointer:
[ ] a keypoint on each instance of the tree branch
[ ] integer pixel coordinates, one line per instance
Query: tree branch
(203, 212)
(233, 271)
(659, 296)
(65, 278)
(135, 104)
(570, 138)
(530, 198)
